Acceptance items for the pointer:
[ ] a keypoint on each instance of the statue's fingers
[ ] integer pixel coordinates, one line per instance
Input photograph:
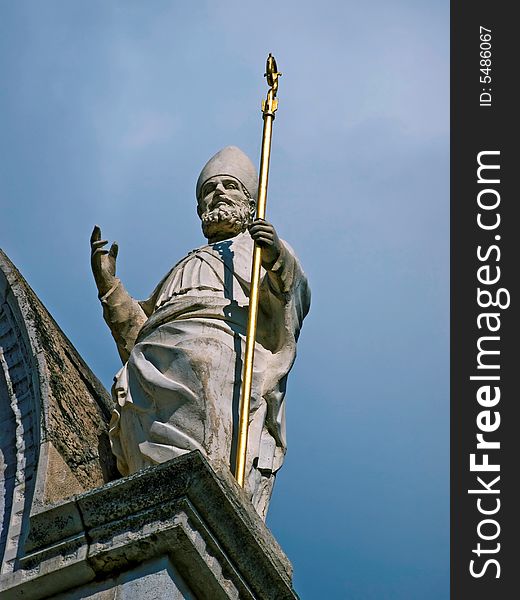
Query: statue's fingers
(264, 241)
(96, 234)
(99, 252)
(99, 244)
(260, 228)
(266, 235)
(257, 229)
(260, 223)
(114, 249)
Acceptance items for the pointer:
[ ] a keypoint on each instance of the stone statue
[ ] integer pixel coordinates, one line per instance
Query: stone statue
(182, 349)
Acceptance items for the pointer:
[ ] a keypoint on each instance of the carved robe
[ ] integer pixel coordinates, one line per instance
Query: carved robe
(179, 389)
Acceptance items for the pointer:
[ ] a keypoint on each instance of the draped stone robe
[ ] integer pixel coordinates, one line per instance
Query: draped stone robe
(183, 349)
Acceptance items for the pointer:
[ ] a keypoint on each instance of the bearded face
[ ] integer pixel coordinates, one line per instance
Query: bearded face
(227, 220)
(224, 208)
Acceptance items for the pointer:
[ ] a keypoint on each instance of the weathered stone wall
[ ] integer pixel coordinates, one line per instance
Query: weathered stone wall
(54, 414)
(78, 410)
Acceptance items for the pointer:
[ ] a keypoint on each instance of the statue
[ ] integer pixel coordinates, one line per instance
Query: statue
(182, 348)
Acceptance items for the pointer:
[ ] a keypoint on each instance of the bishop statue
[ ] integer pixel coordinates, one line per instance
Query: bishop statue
(182, 349)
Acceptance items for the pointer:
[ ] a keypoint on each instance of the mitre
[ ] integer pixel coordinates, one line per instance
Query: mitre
(230, 161)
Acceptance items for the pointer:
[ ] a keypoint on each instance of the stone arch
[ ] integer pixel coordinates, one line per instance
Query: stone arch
(54, 415)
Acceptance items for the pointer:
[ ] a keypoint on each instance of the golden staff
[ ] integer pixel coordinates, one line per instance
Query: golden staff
(269, 107)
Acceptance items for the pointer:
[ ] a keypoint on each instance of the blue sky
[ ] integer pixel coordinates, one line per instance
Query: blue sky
(109, 110)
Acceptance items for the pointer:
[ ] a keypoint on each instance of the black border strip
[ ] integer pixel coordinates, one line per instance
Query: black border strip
(476, 129)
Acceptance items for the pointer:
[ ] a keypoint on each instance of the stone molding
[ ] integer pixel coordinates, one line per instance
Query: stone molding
(180, 509)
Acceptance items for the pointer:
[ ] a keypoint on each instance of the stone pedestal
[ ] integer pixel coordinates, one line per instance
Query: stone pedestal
(173, 531)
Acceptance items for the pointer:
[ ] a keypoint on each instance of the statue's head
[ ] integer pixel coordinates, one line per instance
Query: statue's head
(226, 192)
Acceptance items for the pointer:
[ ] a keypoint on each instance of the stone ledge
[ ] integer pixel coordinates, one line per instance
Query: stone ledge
(180, 509)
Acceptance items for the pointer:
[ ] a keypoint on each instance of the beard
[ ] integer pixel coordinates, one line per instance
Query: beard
(225, 220)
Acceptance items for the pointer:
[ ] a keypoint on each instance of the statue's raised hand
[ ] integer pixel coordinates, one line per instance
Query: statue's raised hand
(103, 261)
